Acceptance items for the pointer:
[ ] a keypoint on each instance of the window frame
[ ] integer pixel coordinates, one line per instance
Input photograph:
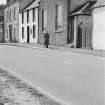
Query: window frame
(27, 16)
(22, 17)
(7, 34)
(44, 18)
(34, 31)
(10, 15)
(14, 13)
(7, 15)
(14, 31)
(34, 14)
(58, 24)
(22, 32)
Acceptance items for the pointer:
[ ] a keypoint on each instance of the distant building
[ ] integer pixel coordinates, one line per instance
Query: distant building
(1, 23)
(98, 42)
(28, 21)
(11, 20)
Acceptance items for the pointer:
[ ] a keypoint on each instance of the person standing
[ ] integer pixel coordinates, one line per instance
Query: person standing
(46, 39)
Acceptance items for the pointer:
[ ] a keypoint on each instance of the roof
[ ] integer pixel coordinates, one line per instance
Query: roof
(10, 2)
(24, 4)
(84, 9)
(77, 3)
(99, 3)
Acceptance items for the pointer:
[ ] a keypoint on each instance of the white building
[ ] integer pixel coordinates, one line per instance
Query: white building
(99, 25)
(28, 23)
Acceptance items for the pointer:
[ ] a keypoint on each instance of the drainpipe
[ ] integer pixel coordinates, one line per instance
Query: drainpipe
(68, 25)
(38, 20)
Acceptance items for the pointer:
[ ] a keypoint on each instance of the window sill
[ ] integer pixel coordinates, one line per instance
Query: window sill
(42, 33)
(58, 31)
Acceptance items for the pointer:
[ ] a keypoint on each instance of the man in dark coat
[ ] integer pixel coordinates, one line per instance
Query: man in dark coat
(46, 39)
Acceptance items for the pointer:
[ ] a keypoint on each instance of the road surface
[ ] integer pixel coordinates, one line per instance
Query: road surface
(76, 79)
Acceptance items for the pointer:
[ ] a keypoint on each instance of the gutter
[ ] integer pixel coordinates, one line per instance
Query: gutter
(99, 6)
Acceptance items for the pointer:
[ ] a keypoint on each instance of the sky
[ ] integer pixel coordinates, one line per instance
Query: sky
(2, 1)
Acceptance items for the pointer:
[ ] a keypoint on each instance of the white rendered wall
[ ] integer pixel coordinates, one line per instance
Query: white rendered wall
(99, 28)
(30, 24)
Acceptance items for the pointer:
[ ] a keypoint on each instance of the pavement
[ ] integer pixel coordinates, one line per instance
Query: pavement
(61, 48)
(71, 78)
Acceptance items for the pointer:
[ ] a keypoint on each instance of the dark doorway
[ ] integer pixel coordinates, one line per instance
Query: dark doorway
(79, 36)
(10, 33)
(28, 34)
(70, 35)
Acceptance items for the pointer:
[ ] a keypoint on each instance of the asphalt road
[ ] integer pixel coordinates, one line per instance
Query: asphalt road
(76, 79)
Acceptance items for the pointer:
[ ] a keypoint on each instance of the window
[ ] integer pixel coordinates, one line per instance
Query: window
(22, 17)
(34, 31)
(7, 15)
(22, 32)
(33, 14)
(27, 16)
(14, 13)
(10, 15)
(7, 34)
(58, 18)
(14, 31)
(44, 19)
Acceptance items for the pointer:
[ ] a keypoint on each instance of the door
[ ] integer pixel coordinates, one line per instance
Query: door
(28, 34)
(70, 33)
(79, 36)
(10, 33)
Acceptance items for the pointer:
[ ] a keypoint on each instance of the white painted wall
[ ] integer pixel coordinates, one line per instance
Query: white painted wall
(30, 24)
(75, 31)
(99, 28)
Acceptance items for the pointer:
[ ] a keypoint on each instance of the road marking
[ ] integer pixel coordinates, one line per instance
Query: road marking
(67, 62)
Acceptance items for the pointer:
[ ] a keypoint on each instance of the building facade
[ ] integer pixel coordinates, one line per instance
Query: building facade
(67, 21)
(98, 41)
(53, 18)
(28, 22)
(61, 18)
(80, 22)
(1, 23)
(11, 20)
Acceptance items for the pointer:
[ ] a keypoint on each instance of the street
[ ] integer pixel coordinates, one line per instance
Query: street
(75, 79)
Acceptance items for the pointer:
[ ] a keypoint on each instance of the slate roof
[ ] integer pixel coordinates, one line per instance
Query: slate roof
(99, 3)
(84, 8)
(77, 3)
(9, 3)
(24, 4)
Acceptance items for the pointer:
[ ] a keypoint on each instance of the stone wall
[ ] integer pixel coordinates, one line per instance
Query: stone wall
(87, 30)
(57, 38)
(13, 22)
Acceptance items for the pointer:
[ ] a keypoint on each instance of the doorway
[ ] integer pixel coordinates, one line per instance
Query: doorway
(28, 34)
(70, 35)
(10, 33)
(79, 35)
